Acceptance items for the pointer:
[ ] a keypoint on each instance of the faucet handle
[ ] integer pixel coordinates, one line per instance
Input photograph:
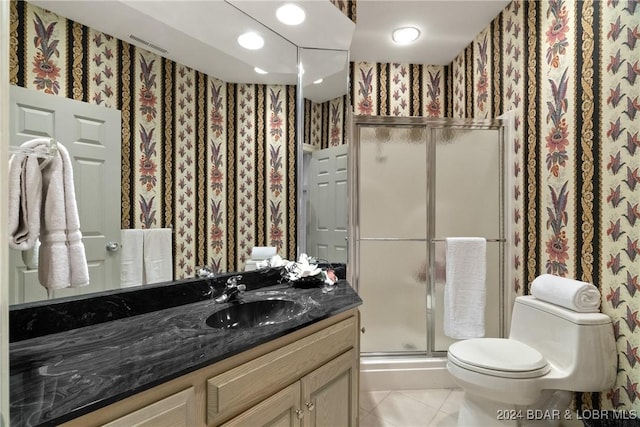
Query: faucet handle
(204, 271)
(233, 281)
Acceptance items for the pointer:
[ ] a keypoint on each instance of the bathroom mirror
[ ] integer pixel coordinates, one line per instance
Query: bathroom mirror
(330, 70)
(323, 178)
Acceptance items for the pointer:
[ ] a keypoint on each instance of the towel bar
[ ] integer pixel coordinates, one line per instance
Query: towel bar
(53, 147)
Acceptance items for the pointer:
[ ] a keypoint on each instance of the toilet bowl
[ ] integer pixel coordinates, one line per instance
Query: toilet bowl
(527, 379)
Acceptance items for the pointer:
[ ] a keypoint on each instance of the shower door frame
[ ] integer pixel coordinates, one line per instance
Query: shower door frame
(431, 126)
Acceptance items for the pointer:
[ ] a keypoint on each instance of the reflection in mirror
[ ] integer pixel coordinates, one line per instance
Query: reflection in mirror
(324, 179)
(210, 159)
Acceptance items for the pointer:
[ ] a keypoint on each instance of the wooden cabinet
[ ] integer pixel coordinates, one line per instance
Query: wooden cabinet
(176, 410)
(324, 397)
(306, 378)
(329, 394)
(280, 410)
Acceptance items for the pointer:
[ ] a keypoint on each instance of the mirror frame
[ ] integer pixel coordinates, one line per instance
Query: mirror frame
(4, 194)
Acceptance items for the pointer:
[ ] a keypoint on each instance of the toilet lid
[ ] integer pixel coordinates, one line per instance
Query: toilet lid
(498, 357)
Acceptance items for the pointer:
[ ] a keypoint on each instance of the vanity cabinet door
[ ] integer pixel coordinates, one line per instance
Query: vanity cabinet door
(329, 394)
(280, 410)
(240, 388)
(177, 410)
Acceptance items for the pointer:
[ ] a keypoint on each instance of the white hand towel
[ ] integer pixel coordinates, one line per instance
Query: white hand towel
(25, 198)
(575, 295)
(62, 259)
(131, 258)
(465, 287)
(158, 257)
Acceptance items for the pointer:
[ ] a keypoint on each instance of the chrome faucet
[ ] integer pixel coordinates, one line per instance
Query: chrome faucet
(232, 291)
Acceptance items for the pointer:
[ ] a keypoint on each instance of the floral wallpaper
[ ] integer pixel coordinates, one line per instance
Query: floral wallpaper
(511, 29)
(399, 89)
(482, 75)
(617, 145)
(557, 128)
(459, 87)
(325, 123)
(212, 159)
(570, 72)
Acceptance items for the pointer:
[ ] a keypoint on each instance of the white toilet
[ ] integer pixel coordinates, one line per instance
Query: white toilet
(527, 379)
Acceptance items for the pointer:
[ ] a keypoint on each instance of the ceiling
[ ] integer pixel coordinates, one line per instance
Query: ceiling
(202, 34)
(446, 27)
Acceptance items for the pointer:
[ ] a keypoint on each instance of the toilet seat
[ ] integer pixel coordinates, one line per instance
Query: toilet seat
(498, 357)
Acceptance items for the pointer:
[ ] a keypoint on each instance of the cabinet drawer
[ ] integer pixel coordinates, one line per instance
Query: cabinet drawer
(244, 386)
(173, 411)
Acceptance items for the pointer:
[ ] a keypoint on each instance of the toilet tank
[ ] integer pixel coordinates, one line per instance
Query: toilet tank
(580, 346)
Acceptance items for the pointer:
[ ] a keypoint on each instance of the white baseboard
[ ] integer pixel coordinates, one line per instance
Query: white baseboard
(404, 373)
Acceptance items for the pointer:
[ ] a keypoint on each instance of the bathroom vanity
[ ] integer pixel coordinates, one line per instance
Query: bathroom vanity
(288, 353)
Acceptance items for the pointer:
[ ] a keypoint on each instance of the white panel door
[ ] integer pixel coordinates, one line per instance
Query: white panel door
(92, 135)
(327, 209)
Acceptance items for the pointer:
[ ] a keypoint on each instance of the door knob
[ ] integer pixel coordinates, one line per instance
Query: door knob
(112, 246)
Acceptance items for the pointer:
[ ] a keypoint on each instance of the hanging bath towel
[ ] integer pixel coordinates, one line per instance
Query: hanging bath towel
(25, 198)
(465, 288)
(62, 262)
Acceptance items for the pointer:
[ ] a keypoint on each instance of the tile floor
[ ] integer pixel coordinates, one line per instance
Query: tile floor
(416, 408)
(410, 408)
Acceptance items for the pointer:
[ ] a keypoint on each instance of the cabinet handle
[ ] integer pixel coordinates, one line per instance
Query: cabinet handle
(310, 406)
(300, 413)
(362, 329)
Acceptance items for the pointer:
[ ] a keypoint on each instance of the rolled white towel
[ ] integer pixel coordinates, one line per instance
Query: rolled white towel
(575, 295)
(259, 253)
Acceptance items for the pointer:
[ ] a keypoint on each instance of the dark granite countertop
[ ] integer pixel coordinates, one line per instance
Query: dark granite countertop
(62, 375)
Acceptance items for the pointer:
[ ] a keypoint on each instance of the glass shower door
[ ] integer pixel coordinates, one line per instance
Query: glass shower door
(466, 202)
(392, 237)
(417, 181)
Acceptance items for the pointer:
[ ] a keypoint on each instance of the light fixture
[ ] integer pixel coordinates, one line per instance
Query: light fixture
(317, 82)
(251, 41)
(405, 35)
(290, 14)
(260, 70)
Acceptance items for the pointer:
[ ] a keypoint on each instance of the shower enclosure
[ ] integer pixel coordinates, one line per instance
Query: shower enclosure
(414, 182)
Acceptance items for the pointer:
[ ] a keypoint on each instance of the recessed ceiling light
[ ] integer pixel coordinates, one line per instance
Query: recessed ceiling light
(260, 71)
(405, 35)
(317, 82)
(251, 41)
(290, 14)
